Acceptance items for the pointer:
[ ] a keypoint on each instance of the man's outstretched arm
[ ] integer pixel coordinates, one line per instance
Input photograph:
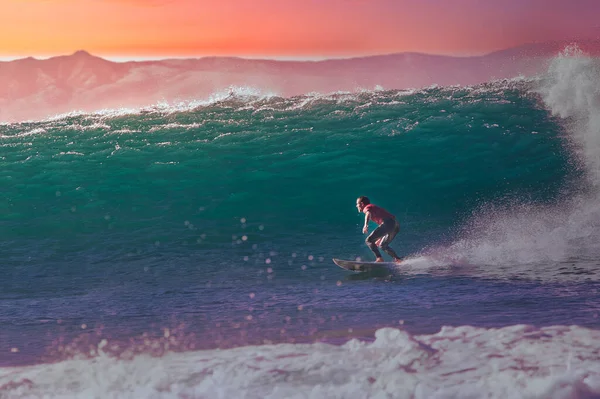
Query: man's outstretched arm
(366, 226)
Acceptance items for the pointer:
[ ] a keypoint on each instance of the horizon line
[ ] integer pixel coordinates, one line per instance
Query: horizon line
(142, 58)
(265, 57)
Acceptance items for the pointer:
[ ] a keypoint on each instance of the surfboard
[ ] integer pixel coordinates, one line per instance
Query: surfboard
(362, 266)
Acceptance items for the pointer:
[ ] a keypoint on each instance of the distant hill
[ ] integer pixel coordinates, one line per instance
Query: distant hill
(35, 89)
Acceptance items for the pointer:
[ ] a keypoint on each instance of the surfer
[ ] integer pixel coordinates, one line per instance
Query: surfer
(384, 233)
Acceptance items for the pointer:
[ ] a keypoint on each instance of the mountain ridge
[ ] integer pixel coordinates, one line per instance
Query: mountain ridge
(38, 88)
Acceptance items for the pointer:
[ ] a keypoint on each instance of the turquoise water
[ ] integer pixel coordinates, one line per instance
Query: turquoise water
(219, 221)
(120, 184)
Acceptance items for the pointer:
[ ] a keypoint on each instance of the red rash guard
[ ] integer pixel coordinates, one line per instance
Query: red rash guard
(378, 214)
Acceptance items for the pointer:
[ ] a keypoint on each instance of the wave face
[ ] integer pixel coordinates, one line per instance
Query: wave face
(133, 235)
(193, 179)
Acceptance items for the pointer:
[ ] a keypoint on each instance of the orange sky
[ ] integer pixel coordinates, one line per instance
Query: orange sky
(285, 28)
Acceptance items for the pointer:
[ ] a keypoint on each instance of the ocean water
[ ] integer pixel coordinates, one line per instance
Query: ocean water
(184, 250)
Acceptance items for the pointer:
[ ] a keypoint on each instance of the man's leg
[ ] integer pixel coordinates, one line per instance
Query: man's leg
(385, 243)
(371, 240)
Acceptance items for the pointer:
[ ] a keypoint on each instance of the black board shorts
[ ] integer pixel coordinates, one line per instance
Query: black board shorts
(388, 230)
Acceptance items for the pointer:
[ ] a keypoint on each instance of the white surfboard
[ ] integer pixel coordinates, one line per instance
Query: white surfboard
(363, 266)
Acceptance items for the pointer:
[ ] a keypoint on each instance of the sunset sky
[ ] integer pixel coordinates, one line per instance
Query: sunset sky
(286, 28)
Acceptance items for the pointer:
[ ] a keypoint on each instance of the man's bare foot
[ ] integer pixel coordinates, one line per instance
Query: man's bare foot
(399, 260)
(379, 260)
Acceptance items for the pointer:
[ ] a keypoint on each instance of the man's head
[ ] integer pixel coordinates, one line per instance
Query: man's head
(361, 202)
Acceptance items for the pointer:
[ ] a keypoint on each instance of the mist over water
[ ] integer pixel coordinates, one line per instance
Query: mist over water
(521, 232)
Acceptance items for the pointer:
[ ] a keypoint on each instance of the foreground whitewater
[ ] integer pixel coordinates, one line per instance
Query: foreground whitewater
(464, 362)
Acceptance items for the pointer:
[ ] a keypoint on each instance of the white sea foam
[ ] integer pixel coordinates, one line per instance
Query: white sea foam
(175, 126)
(543, 239)
(464, 362)
(241, 93)
(254, 98)
(573, 91)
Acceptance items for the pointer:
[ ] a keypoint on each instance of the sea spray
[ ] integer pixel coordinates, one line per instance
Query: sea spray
(572, 91)
(522, 232)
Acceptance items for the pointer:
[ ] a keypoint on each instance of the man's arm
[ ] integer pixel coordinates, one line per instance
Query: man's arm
(366, 226)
